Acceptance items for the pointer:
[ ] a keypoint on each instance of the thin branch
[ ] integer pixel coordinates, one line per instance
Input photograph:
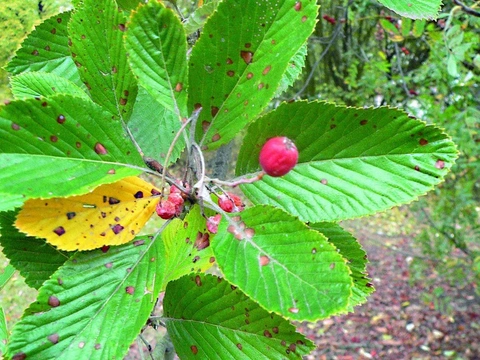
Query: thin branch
(333, 38)
(467, 9)
(399, 65)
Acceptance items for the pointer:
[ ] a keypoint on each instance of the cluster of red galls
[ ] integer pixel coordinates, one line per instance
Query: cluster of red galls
(277, 157)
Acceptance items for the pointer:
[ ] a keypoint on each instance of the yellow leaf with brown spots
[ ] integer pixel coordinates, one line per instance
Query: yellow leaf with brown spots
(111, 214)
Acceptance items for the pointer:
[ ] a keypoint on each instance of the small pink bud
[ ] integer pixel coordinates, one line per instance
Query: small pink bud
(212, 223)
(230, 203)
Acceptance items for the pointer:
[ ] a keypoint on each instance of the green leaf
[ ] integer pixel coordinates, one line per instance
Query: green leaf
(46, 49)
(196, 19)
(237, 64)
(94, 306)
(96, 31)
(6, 274)
(207, 317)
(352, 162)
(419, 28)
(71, 139)
(414, 9)
(128, 5)
(10, 201)
(406, 27)
(187, 246)
(154, 128)
(36, 84)
(294, 70)
(33, 258)
(3, 332)
(157, 48)
(356, 257)
(389, 27)
(280, 263)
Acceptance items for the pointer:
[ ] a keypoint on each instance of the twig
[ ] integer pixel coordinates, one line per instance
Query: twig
(333, 38)
(400, 70)
(466, 8)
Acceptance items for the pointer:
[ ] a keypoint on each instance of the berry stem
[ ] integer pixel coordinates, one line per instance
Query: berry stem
(192, 119)
(236, 182)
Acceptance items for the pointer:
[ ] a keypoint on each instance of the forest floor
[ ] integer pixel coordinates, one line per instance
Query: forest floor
(401, 320)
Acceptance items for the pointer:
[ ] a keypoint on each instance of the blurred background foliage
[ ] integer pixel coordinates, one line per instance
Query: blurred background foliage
(361, 54)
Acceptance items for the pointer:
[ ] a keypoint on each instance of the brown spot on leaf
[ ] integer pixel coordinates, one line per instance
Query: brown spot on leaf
(275, 330)
(19, 356)
(117, 228)
(123, 101)
(53, 301)
(198, 280)
(53, 138)
(71, 215)
(363, 122)
(324, 181)
(98, 346)
(249, 75)
(15, 127)
(304, 18)
(230, 73)
(239, 346)
(440, 164)
(294, 310)
(59, 230)
(267, 334)
(423, 142)
(35, 52)
(61, 119)
(267, 70)
(202, 241)
(216, 137)
(100, 149)
(53, 338)
(122, 27)
(179, 87)
(194, 349)
(214, 110)
(247, 56)
(112, 200)
(298, 6)
(130, 290)
(105, 248)
(264, 260)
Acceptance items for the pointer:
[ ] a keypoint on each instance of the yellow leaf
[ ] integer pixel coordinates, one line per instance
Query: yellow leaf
(112, 214)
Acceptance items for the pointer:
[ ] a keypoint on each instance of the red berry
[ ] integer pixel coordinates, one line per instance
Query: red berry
(176, 199)
(278, 156)
(230, 203)
(166, 209)
(212, 223)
